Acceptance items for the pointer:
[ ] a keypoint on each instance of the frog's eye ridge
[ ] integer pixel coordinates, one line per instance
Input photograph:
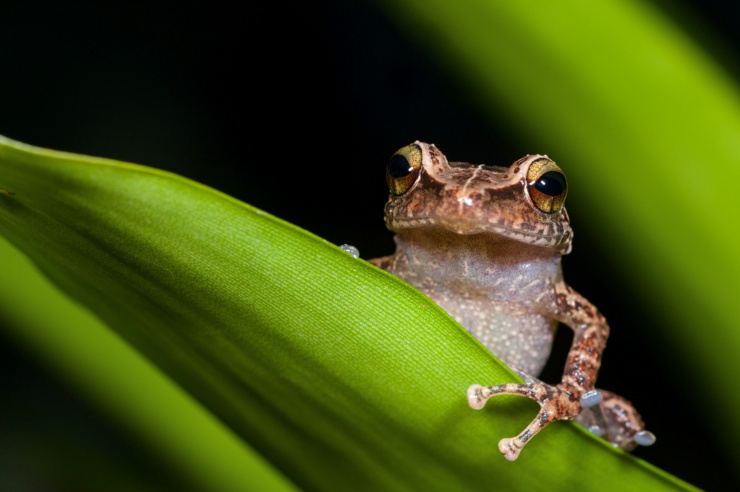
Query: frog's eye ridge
(403, 169)
(546, 185)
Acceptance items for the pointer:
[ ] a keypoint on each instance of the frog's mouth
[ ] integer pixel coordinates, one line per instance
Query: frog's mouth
(556, 235)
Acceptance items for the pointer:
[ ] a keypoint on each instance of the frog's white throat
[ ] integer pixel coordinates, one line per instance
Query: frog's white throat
(478, 262)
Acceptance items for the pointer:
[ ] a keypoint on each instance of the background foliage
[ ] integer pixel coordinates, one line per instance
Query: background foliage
(336, 89)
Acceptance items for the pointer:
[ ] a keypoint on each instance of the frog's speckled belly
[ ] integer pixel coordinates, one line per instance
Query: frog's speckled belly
(519, 338)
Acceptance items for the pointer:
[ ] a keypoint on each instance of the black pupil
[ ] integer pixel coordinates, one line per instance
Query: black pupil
(551, 183)
(399, 166)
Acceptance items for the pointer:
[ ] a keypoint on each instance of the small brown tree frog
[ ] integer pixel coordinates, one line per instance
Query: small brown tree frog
(485, 243)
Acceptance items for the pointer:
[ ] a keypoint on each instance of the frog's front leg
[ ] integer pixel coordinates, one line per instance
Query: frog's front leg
(576, 390)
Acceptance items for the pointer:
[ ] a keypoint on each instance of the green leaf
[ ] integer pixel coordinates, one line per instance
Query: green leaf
(195, 447)
(341, 375)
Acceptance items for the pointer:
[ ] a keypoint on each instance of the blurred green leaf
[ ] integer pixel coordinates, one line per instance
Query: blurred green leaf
(290, 341)
(83, 351)
(647, 126)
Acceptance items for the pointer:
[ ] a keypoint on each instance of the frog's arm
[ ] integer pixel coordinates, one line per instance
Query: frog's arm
(561, 402)
(577, 390)
(590, 332)
(604, 413)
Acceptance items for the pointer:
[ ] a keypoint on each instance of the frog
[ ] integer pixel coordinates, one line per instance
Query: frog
(485, 243)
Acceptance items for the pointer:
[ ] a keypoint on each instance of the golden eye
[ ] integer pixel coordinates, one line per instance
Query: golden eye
(403, 169)
(546, 185)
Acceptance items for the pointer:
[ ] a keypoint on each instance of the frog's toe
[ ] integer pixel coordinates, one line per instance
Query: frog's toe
(478, 395)
(615, 419)
(597, 431)
(591, 398)
(644, 438)
(510, 448)
(475, 397)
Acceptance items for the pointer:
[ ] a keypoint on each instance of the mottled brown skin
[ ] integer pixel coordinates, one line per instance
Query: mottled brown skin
(485, 244)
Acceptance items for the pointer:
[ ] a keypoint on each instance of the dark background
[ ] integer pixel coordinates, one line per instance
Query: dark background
(294, 107)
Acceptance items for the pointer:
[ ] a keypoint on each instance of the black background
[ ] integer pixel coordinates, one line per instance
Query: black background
(294, 107)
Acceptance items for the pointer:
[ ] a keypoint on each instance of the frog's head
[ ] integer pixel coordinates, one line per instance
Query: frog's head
(523, 202)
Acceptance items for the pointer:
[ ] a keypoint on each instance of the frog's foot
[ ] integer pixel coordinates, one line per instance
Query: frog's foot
(555, 403)
(614, 419)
